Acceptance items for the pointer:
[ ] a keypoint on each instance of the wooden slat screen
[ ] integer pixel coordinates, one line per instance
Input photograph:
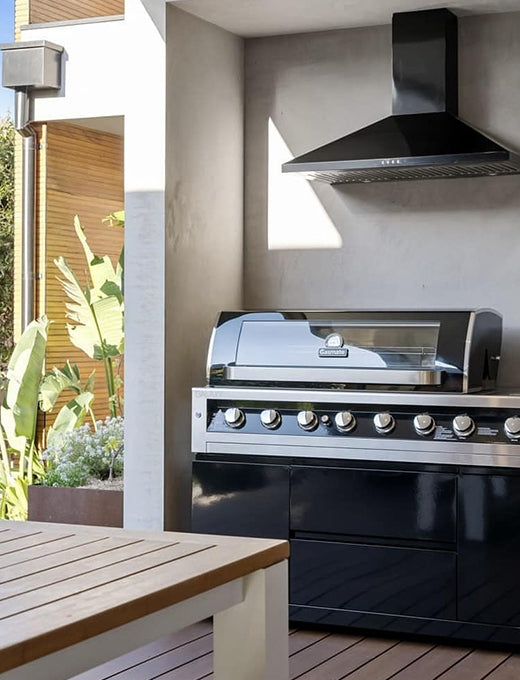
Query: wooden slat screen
(42, 11)
(21, 16)
(83, 175)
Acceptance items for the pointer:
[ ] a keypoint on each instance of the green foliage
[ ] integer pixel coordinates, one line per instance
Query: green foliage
(116, 219)
(20, 463)
(6, 240)
(19, 411)
(20, 460)
(96, 311)
(75, 458)
(59, 379)
(73, 414)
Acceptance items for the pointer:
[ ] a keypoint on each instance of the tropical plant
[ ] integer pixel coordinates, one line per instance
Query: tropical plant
(76, 410)
(96, 311)
(18, 415)
(20, 458)
(116, 219)
(6, 241)
(77, 457)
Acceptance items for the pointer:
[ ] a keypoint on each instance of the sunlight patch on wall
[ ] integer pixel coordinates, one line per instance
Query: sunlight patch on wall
(296, 219)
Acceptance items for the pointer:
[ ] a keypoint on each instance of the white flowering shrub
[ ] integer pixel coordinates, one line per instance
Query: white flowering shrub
(78, 457)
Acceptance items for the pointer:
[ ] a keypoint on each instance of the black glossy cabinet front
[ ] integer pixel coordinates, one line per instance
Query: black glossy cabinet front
(489, 549)
(399, 545)
(240, 499)
(373, 503)
(369, 578)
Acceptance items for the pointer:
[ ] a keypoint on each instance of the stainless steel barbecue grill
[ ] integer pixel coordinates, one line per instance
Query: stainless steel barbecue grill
(376, 443)
(395, 386)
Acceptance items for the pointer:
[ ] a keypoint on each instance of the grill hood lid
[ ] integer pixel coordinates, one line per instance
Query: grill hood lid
(423, 138)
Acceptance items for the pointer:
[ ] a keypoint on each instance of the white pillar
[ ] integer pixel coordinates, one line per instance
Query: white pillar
(145, 140)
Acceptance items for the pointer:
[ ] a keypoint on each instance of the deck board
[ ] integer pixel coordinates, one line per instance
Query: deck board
(438, 660)
(476, 665)
(509, 670)
(391, 662)
(316, 655)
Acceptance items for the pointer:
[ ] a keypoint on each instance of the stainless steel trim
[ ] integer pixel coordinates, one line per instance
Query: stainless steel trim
(210, 353)
(352, 447)
(467, 352)
(495, 459)
(199, 418)
(349, 397)
(295, 374)
(347, 443)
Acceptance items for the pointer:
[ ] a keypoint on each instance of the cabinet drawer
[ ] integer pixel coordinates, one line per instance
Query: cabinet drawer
(489, 549)
(373, 503)
(240, 500)
(400, 581)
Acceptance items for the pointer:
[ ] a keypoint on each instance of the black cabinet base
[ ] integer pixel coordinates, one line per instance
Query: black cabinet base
(411, 627)
(408, 551)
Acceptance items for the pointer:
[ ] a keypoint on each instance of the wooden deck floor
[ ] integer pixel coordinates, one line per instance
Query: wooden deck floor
(317, 655)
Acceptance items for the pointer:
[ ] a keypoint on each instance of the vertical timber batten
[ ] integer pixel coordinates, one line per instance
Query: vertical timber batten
(80, 172)
(42, 11)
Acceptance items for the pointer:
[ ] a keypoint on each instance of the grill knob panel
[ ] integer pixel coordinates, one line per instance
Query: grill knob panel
(512, 427)
(234, 417)
(384, 423)
(463, 426)
(307, 420)
(424, 424)
(270, 418)
(345, 421)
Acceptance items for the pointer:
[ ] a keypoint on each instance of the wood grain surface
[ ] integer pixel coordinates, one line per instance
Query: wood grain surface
(61, 585)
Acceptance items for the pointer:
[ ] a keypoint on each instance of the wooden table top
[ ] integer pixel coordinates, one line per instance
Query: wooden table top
(61, 584)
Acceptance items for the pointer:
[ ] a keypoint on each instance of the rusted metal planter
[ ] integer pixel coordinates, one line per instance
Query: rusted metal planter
(67, 505)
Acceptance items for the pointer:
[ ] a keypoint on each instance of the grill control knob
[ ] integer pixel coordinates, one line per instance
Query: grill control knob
(512, 427)
(270, 418)
(424, 424)
(345, 421)
(463, 426)
(234, 417)
(384, 423)
(307, 420)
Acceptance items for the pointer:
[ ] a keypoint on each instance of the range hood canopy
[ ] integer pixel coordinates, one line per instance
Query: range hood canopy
(423, 138)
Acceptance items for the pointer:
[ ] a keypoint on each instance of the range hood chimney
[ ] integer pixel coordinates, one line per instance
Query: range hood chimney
(423, 138)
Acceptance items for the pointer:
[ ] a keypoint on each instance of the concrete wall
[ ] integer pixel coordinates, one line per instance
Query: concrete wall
(204, 221)
(442, 243)
(95, 69)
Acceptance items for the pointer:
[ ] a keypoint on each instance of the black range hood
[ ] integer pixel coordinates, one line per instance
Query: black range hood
(423, 138)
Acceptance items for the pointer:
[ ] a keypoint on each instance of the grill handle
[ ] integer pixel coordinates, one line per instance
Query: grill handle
(366, 376)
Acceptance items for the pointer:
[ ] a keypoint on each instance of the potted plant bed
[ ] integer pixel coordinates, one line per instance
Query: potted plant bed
(97, 505)
(83, 477)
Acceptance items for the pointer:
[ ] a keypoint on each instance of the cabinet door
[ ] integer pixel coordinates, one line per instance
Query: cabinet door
(374, 503)
(489, 549)
(400, 581)
(240, 499)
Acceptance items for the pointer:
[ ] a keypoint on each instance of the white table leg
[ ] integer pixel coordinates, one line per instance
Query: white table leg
(251, 638)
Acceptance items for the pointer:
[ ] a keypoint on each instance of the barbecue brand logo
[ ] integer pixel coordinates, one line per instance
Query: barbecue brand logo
(333, 347)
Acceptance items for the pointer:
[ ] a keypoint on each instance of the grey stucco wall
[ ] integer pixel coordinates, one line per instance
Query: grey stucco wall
(422, 244)
(204, 222)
